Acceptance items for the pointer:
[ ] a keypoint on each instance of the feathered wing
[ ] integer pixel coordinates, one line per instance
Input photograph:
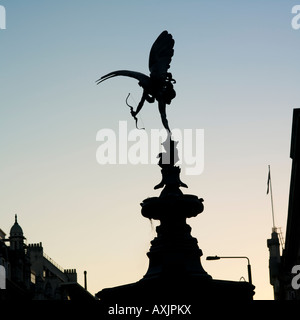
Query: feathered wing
(161, 55)
(142, 78)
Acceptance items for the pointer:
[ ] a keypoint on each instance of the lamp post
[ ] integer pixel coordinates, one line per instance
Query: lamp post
(235, 257)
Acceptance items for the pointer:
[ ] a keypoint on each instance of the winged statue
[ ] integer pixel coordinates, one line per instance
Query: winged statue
(159, 85)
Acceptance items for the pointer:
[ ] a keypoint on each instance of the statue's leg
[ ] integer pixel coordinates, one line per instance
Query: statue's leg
(162, 111)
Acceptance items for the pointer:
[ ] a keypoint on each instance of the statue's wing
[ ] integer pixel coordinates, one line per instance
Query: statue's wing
(142, 78)
(161, 55)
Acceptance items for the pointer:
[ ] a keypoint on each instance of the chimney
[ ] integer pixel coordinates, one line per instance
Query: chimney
(85, 280)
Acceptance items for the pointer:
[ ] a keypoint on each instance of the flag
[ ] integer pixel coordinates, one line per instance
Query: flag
(269, 180)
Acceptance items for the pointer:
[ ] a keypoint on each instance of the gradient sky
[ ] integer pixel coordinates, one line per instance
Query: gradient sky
(237, 69)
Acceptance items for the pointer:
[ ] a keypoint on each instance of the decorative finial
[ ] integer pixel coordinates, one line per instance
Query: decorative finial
(170, 173)
(16, 218)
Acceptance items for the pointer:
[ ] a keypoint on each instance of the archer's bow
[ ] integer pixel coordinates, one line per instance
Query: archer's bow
(132, 113)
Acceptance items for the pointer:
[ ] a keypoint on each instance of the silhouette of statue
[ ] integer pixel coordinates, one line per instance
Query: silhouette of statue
(170, 173)
(159, 86)
(175, 272)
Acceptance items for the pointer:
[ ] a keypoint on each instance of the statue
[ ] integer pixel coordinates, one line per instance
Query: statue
(175, 272)
(159, 85)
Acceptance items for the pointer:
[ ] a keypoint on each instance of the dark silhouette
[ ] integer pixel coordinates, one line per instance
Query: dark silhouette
(284, 274)
(159, 85)
(170, 173)
(175, 274)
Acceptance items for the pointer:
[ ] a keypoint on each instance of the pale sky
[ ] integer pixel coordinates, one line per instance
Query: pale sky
(237, 69)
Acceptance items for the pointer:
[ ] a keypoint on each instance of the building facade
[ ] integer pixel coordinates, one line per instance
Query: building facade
(31, 275)
(282, 277)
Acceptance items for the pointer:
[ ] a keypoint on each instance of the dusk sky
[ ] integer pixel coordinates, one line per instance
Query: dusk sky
(236, 65)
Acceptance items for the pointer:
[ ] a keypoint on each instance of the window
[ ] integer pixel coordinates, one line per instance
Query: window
(32, 277)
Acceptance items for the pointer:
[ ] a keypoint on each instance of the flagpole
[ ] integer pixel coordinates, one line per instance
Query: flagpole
(271, 197)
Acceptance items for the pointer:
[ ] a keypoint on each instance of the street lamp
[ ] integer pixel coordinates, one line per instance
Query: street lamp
(248, 266)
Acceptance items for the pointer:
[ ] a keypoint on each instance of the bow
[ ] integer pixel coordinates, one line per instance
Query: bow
(132, 113)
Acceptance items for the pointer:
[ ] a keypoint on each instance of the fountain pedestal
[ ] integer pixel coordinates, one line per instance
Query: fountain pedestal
(175, 273)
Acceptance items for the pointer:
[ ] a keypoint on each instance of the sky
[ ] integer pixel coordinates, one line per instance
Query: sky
(236, 65)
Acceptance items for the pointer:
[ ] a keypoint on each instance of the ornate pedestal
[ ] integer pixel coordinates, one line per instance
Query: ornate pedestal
(174, 251)
(175, 273)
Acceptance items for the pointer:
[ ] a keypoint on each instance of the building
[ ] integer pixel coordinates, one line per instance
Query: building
(281, 274)
(32, 275)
